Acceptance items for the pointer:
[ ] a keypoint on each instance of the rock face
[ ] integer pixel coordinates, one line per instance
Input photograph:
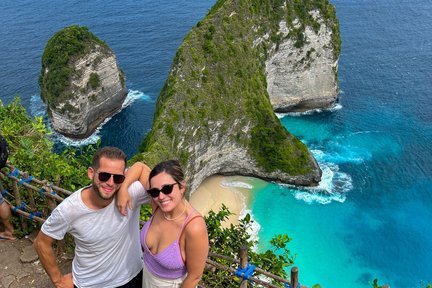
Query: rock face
(215, 112)
(303, 79)
(92, 88)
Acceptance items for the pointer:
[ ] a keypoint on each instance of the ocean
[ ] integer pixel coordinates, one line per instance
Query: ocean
(370, 216)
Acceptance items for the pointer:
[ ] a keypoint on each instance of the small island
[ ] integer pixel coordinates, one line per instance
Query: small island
(80, 82)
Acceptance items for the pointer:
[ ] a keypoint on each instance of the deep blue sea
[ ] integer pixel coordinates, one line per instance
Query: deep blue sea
(371, 215)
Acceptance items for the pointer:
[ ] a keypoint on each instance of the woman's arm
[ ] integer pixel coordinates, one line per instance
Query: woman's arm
(196, 251)
(138, 171)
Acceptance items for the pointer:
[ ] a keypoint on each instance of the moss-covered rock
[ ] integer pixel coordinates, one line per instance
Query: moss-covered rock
(80, 81)
(214, 112)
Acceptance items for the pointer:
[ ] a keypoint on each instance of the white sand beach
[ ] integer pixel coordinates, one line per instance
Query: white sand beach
(214, 192)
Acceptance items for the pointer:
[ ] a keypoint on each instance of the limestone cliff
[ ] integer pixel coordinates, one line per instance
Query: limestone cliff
(80, 82)
(214, 112)
(305, 78)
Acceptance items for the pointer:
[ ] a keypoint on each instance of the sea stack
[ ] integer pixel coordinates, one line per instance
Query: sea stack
(80, 82)
(216, 111)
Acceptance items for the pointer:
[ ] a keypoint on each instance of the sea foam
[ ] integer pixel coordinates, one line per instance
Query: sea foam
(255, 227)
(236, 184)
(333, 186)
(333, 108)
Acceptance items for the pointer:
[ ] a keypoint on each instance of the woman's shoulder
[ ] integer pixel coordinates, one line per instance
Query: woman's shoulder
(195, 222)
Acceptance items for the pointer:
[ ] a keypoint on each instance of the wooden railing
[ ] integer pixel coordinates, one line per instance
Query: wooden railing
(32, 188)
(244, 266)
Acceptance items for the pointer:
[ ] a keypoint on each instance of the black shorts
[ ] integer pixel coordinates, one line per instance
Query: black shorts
(136, 282)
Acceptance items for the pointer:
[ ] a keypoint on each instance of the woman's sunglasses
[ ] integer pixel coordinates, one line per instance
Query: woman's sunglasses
(166, 189)
(105, 176)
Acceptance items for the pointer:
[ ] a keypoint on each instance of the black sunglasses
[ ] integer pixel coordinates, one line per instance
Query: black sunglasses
(166, 189)
(105, 176)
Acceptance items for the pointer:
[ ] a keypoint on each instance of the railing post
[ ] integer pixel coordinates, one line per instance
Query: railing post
(18, 203)
(294, 277)
(30, 193)
(243, 263)
(51, 203)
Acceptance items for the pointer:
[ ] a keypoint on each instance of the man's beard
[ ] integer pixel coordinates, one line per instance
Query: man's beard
(100, 195)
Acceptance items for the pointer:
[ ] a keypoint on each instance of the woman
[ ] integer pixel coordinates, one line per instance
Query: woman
(174, 240)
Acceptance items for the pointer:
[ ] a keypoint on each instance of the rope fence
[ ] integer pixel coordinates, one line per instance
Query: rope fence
(28, 191)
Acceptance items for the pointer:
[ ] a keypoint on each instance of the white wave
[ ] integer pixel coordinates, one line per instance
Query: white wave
(281, 115)
(342, 154)
(134, 95)
(92, 139)
(254, 228)
(318, 154)
(235, 184)
(333, 108)
(320, 198)
(365, 132)
(333, 186)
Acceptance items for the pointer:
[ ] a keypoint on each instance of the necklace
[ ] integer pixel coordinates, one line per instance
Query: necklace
(178, 216)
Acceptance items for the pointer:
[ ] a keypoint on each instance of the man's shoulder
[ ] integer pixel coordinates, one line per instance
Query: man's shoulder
(136, 186)
(137, 192)
(73, 200)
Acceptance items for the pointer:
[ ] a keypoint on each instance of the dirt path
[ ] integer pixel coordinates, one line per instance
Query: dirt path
(20, 266)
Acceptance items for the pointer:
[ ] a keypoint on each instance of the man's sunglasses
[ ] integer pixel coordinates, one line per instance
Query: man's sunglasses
(105, 176)
(166, 189)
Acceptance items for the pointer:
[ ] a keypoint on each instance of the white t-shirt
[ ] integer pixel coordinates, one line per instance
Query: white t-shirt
(107, 246)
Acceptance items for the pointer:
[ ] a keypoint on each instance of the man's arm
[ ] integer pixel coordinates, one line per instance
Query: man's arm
(43, 247)
(138, 171)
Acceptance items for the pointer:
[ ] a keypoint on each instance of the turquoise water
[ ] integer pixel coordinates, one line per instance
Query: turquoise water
(370, 217)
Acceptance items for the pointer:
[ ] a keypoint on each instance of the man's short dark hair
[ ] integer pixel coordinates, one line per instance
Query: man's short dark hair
(4, 151)
(109, 152)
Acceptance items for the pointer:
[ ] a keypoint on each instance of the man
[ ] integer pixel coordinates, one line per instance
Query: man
(5, 212)
(107, 247)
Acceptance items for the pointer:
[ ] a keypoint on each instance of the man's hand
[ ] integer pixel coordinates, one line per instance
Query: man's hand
(123, 200)
(65, 281)
(43, 246)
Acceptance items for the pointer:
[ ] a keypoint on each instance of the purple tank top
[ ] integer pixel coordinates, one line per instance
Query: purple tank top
(168, 263)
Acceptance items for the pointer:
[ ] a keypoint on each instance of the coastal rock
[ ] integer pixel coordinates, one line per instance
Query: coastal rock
(306, 78)
(215, 114)
(86, 88)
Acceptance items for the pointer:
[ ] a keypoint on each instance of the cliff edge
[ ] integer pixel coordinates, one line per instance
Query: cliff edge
(80, 81)
(215, 113)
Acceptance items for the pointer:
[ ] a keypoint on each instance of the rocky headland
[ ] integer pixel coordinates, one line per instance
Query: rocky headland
(243, 61)
(80, 82)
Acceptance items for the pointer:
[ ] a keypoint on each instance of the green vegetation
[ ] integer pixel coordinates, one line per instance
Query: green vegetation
(122, 78)
(94, 81)
(227, 241)
(217, 86)
(32, 151)
(65, 46)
